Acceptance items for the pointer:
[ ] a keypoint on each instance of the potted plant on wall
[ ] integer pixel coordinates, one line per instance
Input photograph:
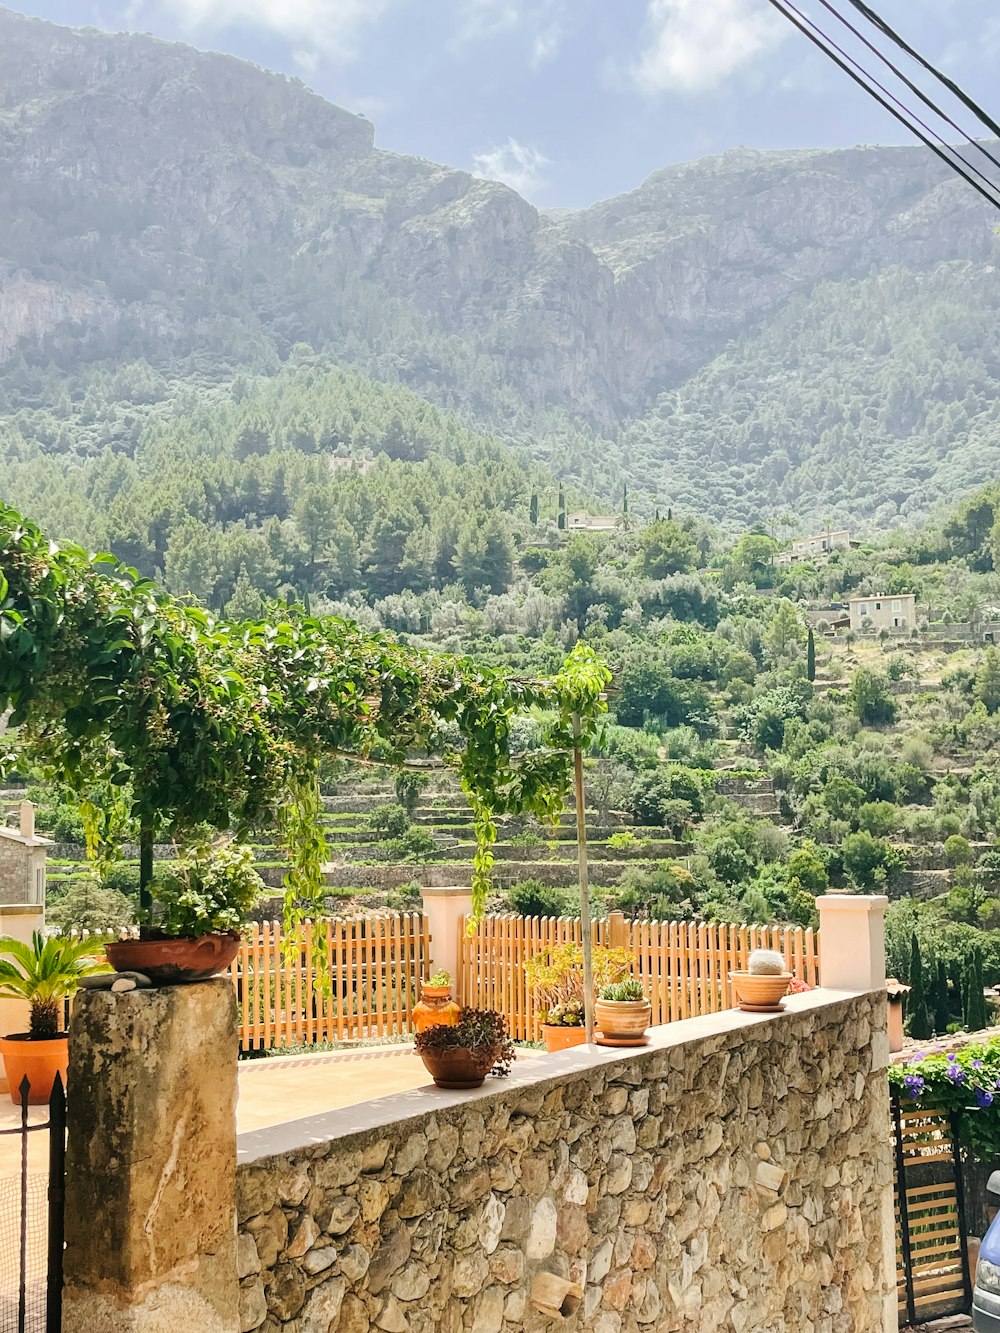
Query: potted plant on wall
(44, 973)
(435, 1005)
(200, 901)
(759, 990)
(556, 976)
(623, 1011)
(460, 1055)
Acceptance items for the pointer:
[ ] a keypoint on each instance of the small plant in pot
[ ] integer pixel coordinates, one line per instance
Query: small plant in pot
(623, 1011)
(435, 1005)
(761, 987)
(45, 973)
(460, 1055)
(200, 901)
(556, 976)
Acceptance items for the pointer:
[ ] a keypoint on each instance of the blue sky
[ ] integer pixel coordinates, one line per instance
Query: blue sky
(570, 101)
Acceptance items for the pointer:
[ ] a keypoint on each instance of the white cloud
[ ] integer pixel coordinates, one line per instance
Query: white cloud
(518, 165)
(538, 21)
(545, 44)
(695, 45)
(315, 27)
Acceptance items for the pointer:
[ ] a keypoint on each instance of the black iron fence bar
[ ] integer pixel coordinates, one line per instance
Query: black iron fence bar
(904, 1220)
(57, 1196)
(960, 1200)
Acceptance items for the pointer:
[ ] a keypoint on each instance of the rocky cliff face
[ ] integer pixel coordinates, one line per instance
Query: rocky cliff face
(154, 189)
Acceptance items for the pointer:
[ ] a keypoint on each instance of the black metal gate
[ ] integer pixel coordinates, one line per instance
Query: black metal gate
(31, 1220)
(933, 1277)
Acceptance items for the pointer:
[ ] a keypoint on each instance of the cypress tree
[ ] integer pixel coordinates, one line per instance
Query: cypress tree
(918, 1021)
(975, 1016)
(670, 514)
(942, 1015)
(533, 509)
(561, 520)
(810, 656)
(955, 991)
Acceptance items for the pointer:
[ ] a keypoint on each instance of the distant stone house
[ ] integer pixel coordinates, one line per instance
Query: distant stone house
(22, 862)
(591, 522)
(898, 611)
(817, 547)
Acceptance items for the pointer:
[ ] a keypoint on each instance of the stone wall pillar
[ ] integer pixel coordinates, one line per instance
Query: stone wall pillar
(852, 941)
(151, 1162)
(444, 909)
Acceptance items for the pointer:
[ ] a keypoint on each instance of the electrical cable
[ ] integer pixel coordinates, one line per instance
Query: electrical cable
(803, 27)
(949, 83)
(928, 101)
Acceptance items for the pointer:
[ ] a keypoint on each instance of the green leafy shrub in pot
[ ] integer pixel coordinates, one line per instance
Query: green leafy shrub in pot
(206, 891)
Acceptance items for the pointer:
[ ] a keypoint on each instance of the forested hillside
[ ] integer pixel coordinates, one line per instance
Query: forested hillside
(818, 326)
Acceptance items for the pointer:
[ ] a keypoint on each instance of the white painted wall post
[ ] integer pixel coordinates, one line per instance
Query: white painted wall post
(852, 941)
(444, 909)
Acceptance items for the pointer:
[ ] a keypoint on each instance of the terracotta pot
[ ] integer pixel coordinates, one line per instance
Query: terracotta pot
(623, 1019)
(175, 960)
(760, 993)
(435, 1008)
(559, 1038)
(37, 1060)
(459, 1067)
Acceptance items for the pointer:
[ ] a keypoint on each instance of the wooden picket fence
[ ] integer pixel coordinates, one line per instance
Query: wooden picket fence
(684, 966)
(342, 979)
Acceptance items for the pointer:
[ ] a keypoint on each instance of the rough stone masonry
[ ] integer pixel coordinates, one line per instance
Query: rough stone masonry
(739, 1180)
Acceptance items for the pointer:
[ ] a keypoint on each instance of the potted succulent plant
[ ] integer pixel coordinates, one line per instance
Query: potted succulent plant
(435, 1005)
(460, 1055)
(45, 973)
(556, 976)
(759, 990)
(623, 1011)
(200, 901)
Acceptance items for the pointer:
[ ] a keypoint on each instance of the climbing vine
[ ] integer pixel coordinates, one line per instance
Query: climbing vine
(117, 686)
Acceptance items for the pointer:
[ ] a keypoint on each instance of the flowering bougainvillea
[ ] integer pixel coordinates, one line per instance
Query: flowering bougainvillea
(966, 1082)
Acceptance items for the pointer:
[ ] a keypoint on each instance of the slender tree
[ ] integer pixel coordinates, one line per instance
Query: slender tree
(810, 656)
(942, 1014)
(561, 520)
(975, 1014)
(533, 509)
(918, 1020)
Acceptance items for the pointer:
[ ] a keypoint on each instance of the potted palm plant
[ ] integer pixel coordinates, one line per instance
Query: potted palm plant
(460, 1055)
(192, 931)
(44, 973)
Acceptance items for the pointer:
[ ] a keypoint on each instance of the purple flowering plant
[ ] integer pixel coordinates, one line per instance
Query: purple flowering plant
(966, 1081)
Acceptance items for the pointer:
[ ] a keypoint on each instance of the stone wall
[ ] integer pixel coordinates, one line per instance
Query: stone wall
(735, 1175)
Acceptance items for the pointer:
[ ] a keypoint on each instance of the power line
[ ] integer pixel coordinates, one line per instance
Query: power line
(945, 156)
(904, 45)
(908, 111)
(928, 101)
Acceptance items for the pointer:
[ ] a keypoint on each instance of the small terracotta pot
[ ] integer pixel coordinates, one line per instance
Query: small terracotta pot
(560, 1038)
(435, 1008)
(622, 1019)
(37, 1060)
(459, 1067)
(760, 993)
(175, 960)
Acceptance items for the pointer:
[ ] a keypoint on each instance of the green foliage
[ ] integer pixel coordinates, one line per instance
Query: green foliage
(389, 821)
(530, 897)
(208, 889)
(868, 861)
(918, 1023)
(666, 548)
(810, 656)
(964, 1083)
(88, 904)
(957, 851)
(629, 991)
(483, 1032)
(871, 698)
(45, 973)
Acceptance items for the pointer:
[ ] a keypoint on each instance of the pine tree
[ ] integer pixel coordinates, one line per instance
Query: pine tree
(533, 510)
(918, 1021)
(942, 1015)
(810, 656)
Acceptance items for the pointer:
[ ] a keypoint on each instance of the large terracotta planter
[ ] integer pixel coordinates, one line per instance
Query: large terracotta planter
(38, 1061)
(560, 1038)
(435, 1008)
(760, 993)
(623, 1020)
(175, 960)
(459, 1067)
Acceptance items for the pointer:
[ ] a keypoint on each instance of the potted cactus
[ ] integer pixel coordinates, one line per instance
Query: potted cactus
(623, 1011)
(759, 990)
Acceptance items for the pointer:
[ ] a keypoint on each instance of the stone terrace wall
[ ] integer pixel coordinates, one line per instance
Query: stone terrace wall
(736, 1175)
